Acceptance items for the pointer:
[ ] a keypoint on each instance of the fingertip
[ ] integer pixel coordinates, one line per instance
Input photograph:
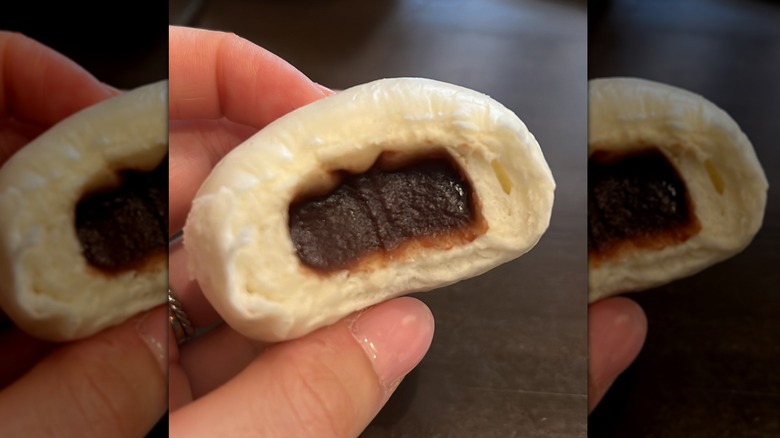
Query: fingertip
(325, 90)
(395, 335)
(331, 382)
(111, 90)
(627, 317)
(153, 328)
(217, 74)
(43, 86)
(617, 328)
(618, 312)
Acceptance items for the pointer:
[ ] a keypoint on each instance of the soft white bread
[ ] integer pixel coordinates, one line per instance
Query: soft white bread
(48, 287)
(724, 179)
(237, 237)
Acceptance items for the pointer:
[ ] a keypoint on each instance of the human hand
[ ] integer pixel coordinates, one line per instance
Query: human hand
(329, 383)
(111, 384)
(40, 87)
(616, 332)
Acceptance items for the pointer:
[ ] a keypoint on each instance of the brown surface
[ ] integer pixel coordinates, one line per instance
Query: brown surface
(509, 355)
(711, 364)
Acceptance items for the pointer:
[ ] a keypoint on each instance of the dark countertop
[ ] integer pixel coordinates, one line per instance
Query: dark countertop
(711, 364)
(509, 353)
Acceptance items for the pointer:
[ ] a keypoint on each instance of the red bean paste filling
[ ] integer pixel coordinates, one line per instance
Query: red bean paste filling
(122, 227)
(637, 197)
(379, 210)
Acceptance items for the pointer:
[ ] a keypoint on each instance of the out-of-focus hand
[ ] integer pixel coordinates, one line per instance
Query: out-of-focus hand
(616, 332)
(113, 383)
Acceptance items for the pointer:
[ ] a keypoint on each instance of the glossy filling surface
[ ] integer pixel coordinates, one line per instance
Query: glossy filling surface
(122, 227)
(636, 199)
(426, 200)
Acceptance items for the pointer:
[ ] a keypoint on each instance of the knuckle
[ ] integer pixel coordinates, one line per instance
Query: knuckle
(92, 387)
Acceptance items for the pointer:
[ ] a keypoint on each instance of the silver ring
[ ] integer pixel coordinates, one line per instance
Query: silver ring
(180, 323)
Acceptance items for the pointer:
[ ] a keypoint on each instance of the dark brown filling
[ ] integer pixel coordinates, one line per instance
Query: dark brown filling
(122, 227)
(636, 198)
(427, 200)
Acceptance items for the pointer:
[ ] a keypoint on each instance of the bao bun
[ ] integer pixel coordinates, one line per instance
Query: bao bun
(48, 287)
(237, 238)
(714, 158)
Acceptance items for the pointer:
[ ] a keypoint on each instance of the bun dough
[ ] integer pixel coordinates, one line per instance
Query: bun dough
(48, 287)
(724, 179)
(237, 236)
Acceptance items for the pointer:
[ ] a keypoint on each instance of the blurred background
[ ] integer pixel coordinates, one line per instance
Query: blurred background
(710, 364)
(124, 44)
(509, 353)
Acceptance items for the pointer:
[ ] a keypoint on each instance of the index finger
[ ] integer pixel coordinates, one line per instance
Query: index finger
(41, 86)
(216, 74)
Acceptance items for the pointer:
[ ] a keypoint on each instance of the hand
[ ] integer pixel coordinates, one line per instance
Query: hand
(329, 383)
(616, 332)
(112, 384)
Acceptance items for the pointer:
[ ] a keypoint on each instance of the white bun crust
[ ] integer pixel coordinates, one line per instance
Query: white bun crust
(48, 287)
(237, 238)
(713, 156)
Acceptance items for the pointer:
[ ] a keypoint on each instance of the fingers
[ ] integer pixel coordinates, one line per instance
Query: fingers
(215, 75)
(38, 88)
(214, 358)
(15, 134)
(616, 332)
(41, 86)
(222, 90)
(330, 383)
(20, 351)
(198, 309)
(195, 147)
(179, 392)
(112, 384)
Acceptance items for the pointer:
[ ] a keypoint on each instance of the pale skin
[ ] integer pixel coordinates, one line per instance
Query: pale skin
(617, 328)
(329, 383)
(113, 383)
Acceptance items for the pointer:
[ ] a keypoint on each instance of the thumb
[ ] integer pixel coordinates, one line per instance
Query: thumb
(111, 384)
(330, 383)
(617, 328)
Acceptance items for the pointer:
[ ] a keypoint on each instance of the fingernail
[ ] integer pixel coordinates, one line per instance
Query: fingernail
(395, 336)
(111, 90)
(152, 327)
(325, 90)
